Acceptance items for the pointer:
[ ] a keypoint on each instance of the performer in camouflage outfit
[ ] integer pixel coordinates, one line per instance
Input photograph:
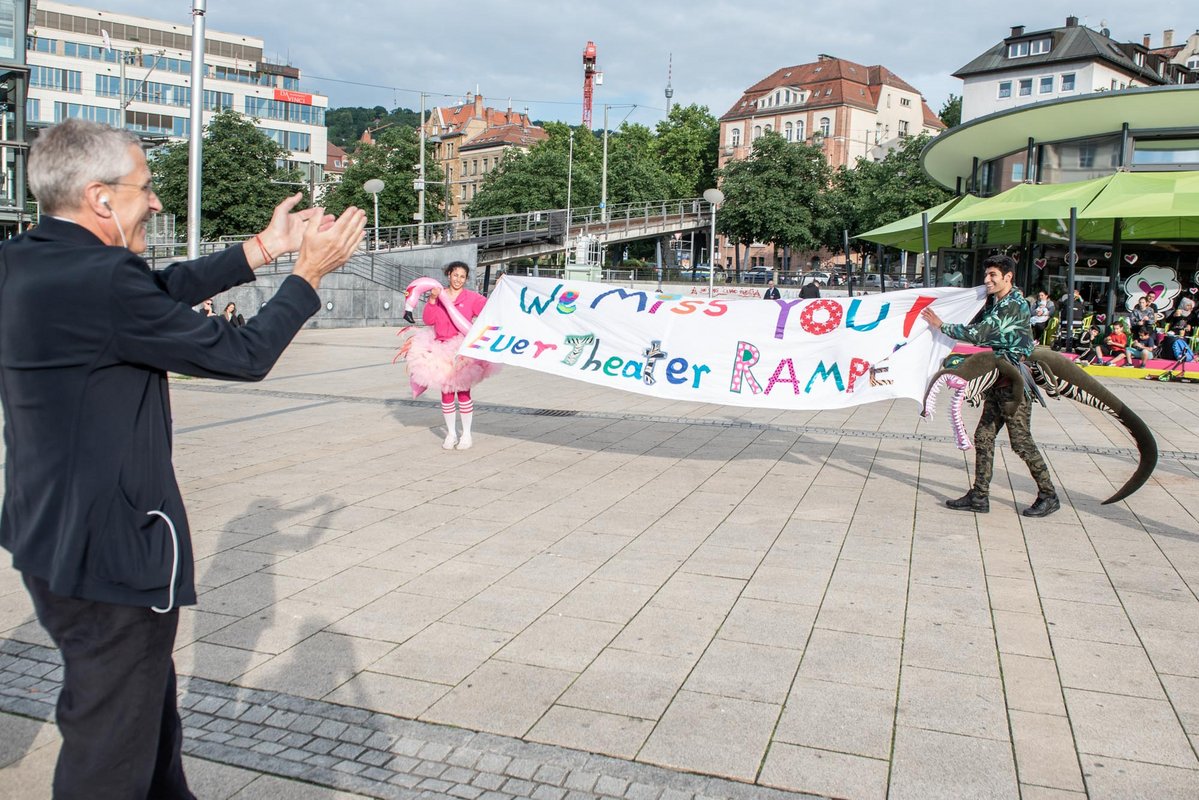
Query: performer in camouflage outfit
(1006, 328)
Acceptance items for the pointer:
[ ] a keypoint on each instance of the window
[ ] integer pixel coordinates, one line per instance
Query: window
(474, 166)
(799, 131)
(1017, 49)
(788, 131)
(1025, 87)
(64, 80)
(903, 128)
(735, 137)
(768, 127)
(1114, 82)
(1193, 62)
(906, 102)
(109, 116)
(1068, 82)
(757, 132)
(1045, 86)
(825, 123)
(1005, 89)
(1017, 172)
(1166, 152)
(1086, 156)
(262, 108)
(1039, 46)
(33, 109)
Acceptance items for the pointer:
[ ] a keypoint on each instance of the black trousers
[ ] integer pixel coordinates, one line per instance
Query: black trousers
(117, 713)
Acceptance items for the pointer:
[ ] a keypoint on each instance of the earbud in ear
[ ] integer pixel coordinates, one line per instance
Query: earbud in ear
(104, 201)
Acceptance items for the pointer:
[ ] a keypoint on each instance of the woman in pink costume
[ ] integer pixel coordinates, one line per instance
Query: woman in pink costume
(432, 353)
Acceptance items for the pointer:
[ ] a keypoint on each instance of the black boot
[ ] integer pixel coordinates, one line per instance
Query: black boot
(971, 501)
(1044, 505)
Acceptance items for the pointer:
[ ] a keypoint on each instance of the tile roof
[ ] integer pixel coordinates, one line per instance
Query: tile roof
(829, 82)
(1071, 43)
(514, 134)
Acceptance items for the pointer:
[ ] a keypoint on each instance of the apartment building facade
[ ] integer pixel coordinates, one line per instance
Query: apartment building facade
(135, 72)
(850, 110)
(471, 140)
(1058, 63)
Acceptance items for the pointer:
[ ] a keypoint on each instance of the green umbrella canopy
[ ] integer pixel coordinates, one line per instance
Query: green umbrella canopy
(906, 234)
(1031, 201)
(1151, 205)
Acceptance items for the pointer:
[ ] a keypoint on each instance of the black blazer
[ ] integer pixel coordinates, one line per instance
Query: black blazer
(87, 335)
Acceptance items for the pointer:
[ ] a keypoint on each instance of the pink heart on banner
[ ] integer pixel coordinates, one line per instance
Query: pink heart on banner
(1092, 262)
(1040, 263)
(1131, 258)
(1154, 290)
(1193, 290)
(1101, 317)
(1107, 253)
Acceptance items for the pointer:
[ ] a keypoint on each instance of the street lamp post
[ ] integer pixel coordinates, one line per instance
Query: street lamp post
(604, 173)
(373, 187)
(420, 184)
(570, 171)
(714, 197)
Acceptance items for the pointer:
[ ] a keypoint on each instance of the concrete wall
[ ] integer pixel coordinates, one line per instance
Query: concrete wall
(356, 302)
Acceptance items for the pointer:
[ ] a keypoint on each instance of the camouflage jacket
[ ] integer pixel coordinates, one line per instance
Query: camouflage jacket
(1005, 327)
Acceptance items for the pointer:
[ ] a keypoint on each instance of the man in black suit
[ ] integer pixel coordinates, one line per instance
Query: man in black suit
(92, 513)
(772, 291)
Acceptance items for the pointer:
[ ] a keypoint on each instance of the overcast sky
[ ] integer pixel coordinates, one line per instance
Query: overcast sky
(384, 52)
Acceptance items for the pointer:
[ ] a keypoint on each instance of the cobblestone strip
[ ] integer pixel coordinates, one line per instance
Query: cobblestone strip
(374, 754)
(813, 430)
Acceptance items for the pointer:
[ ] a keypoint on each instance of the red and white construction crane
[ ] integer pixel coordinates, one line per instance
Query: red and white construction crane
(591, 77)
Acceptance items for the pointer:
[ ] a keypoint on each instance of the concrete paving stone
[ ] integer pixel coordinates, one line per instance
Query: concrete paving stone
(837, 716)
(1103, 667)
(930, 765)
(1074, 585)
(861, 611)
(633, 567)
(627, 683)
(1176, 610)
(550, 573)
(673, 632)
(388, 694)
(1013, 594)
(518, 788)
(1108, 777)
(611, 786)
(558, 642)
(604, 600)
(825, 772)
(1101, 728)
(317, 665)
(592, 731)
(780, 585)
(230, 564)
(1045, 753)
(195, 624)
(1031, 792)
(464, 792)
(277, 628)
(768, 623)
(591, 544)
(1089, 621)
(548, 793)
(331, 729)
(354, 587)
(503, 609)
(321, 746)
(580, 780)
(724, 667)
(1170, 650)
(501, 698)
(951, 702)
(395, 617)
(442, 652)
(430, 769)
(320, 562)
(693, 731)
(950, 647)
(1021, 634)
(723, 562)
(852, 658)
(949, 604)
(1184, 696)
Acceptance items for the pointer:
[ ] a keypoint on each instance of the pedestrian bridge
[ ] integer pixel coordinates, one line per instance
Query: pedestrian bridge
(386, 255)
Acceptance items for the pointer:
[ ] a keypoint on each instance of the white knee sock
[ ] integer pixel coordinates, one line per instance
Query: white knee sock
(451, 437)
(467, 408)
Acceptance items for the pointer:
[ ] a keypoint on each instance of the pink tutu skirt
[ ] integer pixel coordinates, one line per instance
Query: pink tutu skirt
(437, 365)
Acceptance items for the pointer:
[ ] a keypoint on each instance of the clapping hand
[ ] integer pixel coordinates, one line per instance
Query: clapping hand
(285, 232)
(326, 245)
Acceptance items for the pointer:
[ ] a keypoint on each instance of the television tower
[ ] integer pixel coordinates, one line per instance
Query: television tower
(669, 89)
(591, 76)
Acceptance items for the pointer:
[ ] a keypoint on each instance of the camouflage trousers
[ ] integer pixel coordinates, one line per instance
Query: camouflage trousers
(995, 415)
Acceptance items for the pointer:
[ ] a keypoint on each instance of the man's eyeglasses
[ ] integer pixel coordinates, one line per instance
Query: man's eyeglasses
(146, 188)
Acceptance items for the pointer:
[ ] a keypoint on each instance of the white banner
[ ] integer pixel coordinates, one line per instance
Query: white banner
(828, 352)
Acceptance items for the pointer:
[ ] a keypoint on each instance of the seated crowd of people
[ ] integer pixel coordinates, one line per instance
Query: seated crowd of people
(1146, 333)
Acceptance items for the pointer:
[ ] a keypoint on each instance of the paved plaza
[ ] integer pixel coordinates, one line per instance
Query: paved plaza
(617, 596)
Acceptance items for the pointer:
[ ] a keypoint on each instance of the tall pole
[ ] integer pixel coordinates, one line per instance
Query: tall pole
(420, 192)
(195, 145)
(712, 257)
(849, 264)
(570, 173)
(604, 176)
(375, 195)
(1071, 260)
(924, 236)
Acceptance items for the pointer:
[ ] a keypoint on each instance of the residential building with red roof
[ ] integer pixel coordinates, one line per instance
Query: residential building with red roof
(471, 140)
(852, 111)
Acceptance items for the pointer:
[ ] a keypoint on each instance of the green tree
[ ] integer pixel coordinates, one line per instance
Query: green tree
(345, 125)
(688, 140)
(393, 159)
(634, 172)
(875, 193)
(951, 112)
(537, 179)
(241, 179)
(777, 195)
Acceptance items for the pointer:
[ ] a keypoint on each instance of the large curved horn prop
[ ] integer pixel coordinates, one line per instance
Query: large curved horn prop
(1062, 376)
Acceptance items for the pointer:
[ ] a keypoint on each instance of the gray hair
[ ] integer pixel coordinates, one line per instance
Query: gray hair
(66, 158)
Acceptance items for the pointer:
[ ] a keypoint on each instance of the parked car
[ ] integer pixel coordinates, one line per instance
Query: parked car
(819, 278)
(757, 275)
